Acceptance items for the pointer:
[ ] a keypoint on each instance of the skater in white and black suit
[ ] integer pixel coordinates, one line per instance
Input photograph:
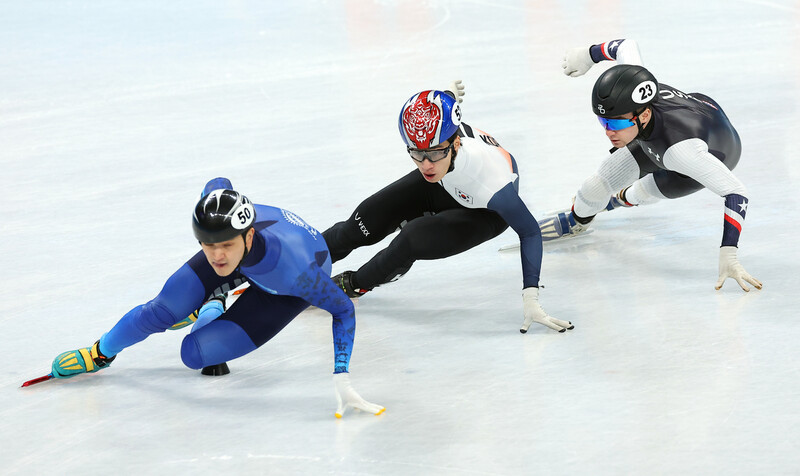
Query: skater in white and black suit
(464, 193)
(667, 144)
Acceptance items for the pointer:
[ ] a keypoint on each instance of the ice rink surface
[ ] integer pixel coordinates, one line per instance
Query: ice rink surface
(113, 115)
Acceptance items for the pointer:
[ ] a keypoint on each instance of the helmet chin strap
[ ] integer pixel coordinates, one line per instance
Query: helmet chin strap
(639, 125)
(452, 162)
(246, 251)
(453, 155)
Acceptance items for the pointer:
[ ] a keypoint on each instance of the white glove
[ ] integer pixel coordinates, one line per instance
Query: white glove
(534, 313)
(577, 61)
(457, 89)
(347, 397)
(729, 267)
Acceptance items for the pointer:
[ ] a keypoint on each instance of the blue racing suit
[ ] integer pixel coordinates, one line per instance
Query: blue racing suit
(288, 268)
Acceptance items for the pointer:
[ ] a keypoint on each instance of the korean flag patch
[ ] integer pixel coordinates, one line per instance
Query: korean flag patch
(465, 197)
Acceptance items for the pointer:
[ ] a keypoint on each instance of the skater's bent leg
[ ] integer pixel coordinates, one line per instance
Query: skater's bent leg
(379, 215)
(182, 294)
(254, 319)
(184, 291)
(671, 184)
(217, 342)
(643, 192)
(430, 237)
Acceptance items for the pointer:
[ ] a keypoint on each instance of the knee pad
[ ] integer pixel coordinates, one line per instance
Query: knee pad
(592, 196)
(644, 191)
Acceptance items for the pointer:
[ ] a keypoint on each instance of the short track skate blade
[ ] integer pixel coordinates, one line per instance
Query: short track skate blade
(37, 380)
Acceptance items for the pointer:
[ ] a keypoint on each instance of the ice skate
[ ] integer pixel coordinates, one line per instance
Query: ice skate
(81, 361)
(619, 201)
(345, 282)
(560, 226)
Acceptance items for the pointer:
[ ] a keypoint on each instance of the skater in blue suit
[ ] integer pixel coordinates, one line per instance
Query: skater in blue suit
(259, 267)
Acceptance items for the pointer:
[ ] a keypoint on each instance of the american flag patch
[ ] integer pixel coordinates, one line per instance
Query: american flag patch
(735, 211)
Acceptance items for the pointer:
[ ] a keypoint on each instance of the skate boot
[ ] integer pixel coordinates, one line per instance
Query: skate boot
(345, 281)
(562, 225)
(81, 361)
(618, 201)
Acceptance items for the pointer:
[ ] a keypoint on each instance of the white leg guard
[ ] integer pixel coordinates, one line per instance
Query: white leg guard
(644, 191)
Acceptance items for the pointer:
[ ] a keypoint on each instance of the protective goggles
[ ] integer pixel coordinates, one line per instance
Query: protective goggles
(616, 124)
(434, 155)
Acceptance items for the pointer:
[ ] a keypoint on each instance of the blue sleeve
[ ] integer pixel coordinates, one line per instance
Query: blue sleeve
(316, 287)
(510, 206)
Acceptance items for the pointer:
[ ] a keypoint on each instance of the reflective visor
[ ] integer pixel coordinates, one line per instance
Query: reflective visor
(616, 124)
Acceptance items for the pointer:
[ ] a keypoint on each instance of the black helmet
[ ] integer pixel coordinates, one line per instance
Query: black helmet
(622, 89)
(221, 216)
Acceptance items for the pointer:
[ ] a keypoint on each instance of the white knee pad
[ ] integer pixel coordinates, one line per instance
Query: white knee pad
(592, 196)
(644, 192)
(617, 171)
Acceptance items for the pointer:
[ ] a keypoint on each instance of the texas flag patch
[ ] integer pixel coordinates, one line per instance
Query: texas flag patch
(465, 197)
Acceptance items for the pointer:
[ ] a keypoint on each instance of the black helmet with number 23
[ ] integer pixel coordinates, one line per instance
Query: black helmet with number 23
(622, 89)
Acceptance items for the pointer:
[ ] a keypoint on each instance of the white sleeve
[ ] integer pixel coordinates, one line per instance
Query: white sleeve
(692, 158)
(628, 53)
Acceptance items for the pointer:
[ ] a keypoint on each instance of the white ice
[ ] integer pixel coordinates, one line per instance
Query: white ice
(114, 114)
